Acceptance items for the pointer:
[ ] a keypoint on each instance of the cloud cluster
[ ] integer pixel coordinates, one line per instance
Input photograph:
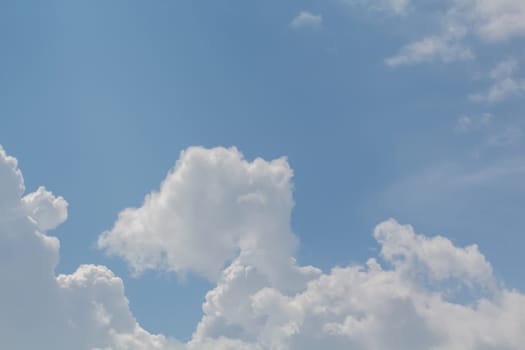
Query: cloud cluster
(226, 218)
(404, 303)
(369, 307)
(467, 123)
(487, 20)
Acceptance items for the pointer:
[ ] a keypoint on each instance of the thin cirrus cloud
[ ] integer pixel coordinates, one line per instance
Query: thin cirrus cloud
(306, 19)
(234, 214)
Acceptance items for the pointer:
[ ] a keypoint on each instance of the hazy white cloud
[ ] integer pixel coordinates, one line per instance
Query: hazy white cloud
(396, 7)
(493, 133)
(488, 20)
(504, 83)
(307, 19)
(237, 211)
(445, 47)
(510, 135)
(493, 20)
(46, 210)
(430, 49)
(504, 69)
(467, 123)
(507, 170)
(499, 91)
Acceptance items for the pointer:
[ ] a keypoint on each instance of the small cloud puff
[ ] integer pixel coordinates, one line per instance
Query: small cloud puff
(307, 19)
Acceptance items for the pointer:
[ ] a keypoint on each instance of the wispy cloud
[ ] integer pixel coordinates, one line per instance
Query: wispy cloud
(483, 21)
(442, 48)
(467, 123)
(495, 133)
(396, 7)
(306, 19)
(509, 136)
(504, 83)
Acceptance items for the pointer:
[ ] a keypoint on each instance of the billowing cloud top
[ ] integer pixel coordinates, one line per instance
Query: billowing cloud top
(227, 218)
(212, 198)
(84, 310)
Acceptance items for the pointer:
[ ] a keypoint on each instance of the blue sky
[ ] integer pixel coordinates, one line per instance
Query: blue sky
(99, 98)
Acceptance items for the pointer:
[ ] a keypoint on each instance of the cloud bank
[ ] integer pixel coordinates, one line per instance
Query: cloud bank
(228, 219)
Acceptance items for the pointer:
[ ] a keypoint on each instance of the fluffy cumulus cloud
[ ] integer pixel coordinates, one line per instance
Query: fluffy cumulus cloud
(306, 19)
(211, 198)
(405, 305)
(83, 310)
(233, 216)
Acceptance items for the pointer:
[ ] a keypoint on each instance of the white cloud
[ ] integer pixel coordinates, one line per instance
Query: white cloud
(446, 47)
(499, 91)
(396, 7)
(504, 69)
(494, 20)
(511, 135)
(488, 20)
(494, 133)
(370, 307)
(237, 212)
(467, 123)
(429, 49)
(212, 198)
(504, 83)
(404, 305)
(307, 19)
(84, 310)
